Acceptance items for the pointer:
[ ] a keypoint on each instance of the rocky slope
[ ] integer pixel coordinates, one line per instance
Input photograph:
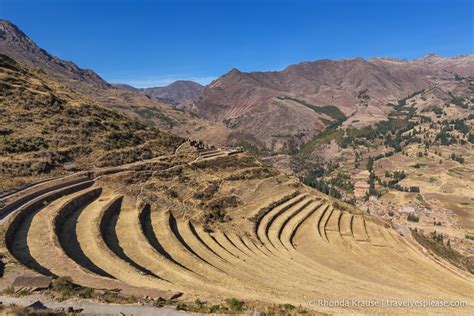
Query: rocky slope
(180, 92)
(281, 109)
(17, 45)
(46, 129)
(126, 87)
(153, 216)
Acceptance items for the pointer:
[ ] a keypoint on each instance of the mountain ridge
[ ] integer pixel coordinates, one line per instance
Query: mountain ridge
(17, 45)
(63, 129)
(179, 92)
(360, 88)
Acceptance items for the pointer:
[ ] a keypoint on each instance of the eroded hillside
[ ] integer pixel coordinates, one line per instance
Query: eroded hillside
(282, 110)
(17, 45)
(47, 129)
(110, 208)
(149, 217)
(413, 169)
(219, 229)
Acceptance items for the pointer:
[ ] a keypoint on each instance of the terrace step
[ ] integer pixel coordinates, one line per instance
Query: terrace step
(90, 227)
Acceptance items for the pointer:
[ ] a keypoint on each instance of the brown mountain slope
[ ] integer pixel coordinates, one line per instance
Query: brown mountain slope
(278, 108)
(126, 87)
(16, 44)
(179, 92)
(213, 225)
(46, 128)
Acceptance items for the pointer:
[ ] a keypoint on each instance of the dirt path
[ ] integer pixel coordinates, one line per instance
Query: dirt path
(93, 308)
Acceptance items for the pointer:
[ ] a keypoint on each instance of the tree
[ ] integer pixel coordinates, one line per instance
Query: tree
(370, 164)
(461, 126)
(412, 217)
(470, 138)
(414, 189)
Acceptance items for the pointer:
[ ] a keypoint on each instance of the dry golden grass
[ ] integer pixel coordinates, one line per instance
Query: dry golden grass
(219, 228)
(47, 129)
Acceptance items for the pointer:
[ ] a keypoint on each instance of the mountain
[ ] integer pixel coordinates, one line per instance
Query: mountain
(111, 208)
(280, 110)
(46, 128)
(17, 45)
(180, 92)
(156, 218)
(124, 86)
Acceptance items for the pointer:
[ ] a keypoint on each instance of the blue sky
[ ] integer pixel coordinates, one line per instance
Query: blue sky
(152, 43)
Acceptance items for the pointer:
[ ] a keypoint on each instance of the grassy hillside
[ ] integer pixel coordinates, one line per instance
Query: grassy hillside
(46, 128)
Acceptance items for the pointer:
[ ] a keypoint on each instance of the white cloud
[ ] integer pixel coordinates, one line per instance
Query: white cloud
(161, 81)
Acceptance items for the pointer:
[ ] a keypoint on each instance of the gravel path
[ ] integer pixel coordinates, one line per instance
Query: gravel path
(92, 308)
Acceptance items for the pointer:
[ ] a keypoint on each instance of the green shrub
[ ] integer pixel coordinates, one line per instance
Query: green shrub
(22, 293)
(301, 310)
(438, 237)
(121, 139)
(216, 208)
(287, 307)
(370, 164)
(412, 217)
(325, 137)
(470, 138)
(235, 304)
(23, 144)
(208, 192)
(182, 307)
(343, 181)
(330, 110)
(215, 308)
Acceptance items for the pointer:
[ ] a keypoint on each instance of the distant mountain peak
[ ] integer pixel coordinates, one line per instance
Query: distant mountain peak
(234, 71)
(430, 57)
(7, 26)
(12, 34)
(184, 83)
(392, 59)
(179, 92)
(124, 86)
(16, 44)
(263, 106)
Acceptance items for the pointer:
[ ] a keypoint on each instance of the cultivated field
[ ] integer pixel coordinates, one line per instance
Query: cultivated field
(288, 244)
